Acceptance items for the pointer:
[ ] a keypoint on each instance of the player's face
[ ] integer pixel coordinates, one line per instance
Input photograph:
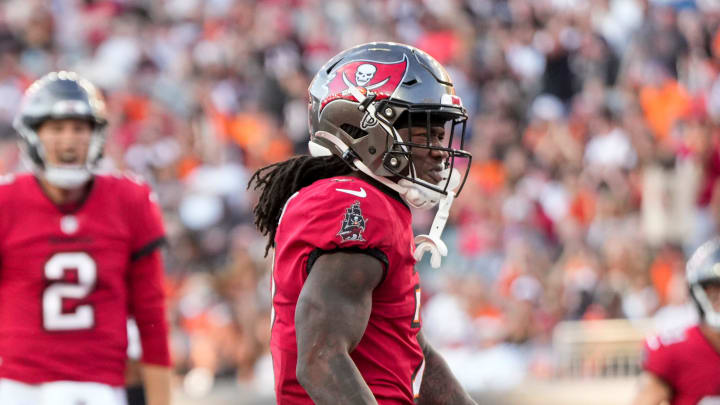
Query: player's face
(65, 141)
(429, 163)
(713, 293)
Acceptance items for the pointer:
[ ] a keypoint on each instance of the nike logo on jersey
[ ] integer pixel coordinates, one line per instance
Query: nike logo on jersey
(357, 193)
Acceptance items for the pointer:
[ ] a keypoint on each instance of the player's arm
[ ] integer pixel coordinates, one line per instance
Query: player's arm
(156, 380)
(653, 391)
(147, 300)
(439, 385)
(330, 319)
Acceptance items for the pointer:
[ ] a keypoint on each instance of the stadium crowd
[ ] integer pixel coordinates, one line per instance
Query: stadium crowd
(593, 131)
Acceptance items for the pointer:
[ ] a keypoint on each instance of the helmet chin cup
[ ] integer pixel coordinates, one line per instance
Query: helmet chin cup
(422, 197)
(414, 197)
(66, 177)
(419, 196)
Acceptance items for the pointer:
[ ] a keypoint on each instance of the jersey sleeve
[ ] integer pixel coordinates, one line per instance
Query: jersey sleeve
(146, 274)
(146, 223)
(147, 306)
(7, 204)
(657, 358)
(331, 220)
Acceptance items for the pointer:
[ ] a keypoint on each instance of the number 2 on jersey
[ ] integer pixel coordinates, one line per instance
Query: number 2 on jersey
(54, 319)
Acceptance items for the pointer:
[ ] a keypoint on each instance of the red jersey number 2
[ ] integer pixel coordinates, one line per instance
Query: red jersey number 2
(83, 317)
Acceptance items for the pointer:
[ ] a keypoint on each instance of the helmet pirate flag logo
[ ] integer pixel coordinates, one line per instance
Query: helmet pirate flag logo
(380, 78)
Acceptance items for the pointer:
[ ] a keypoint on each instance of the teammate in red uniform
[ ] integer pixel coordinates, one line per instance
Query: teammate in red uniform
(684, 368)
(386, 133)
(78, 254)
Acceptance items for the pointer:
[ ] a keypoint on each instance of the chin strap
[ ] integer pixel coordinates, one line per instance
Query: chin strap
(433, 242)
(419, 196)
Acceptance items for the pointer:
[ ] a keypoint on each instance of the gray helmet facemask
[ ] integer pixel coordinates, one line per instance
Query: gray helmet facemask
(704, 267)
(61, 95)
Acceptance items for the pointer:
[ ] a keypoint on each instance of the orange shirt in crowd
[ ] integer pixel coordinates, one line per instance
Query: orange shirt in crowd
(663, 105)
(489, 175)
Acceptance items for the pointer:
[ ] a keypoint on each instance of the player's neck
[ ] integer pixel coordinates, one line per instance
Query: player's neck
(63, 196)
(712, 335)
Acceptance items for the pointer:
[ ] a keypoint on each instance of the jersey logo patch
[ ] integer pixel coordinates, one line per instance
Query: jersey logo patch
(357, 193)
(353, 225)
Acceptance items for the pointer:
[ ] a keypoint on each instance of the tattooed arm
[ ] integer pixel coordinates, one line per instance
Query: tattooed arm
(439, 385)
(330, 319)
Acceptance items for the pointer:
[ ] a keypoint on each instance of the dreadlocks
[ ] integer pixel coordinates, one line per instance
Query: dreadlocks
(277, 182)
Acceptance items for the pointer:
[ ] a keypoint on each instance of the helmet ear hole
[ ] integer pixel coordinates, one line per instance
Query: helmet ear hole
(353, 131)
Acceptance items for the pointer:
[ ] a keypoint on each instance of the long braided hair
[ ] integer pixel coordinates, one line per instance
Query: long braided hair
(278, 181)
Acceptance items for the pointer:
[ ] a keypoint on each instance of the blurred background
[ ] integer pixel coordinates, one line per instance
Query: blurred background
(596, 158)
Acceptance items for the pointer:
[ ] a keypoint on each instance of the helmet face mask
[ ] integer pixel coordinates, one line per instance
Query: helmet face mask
(57, 96)
(427, 130)
(367, 95)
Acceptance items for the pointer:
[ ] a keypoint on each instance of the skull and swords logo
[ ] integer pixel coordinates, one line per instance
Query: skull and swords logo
(380, 78)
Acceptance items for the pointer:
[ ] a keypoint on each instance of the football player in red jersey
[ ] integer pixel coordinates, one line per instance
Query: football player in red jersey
(78, 254)
(386, 133)
(684, 368)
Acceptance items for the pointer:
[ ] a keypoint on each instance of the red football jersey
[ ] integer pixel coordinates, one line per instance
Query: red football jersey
(349, 213)
(68, 279)
(688, 363)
